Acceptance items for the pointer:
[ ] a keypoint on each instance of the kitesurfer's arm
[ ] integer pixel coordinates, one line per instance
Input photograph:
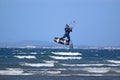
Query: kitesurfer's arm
(70, 29)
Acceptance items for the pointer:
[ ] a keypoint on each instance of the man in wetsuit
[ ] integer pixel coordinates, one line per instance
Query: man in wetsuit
(67, 32)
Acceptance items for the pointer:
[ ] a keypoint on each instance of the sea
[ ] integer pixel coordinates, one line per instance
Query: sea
(59, 64)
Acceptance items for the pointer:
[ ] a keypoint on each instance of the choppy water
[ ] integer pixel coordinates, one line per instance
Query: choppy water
(59, 64)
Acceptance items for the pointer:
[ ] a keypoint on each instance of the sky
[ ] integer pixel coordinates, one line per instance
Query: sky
(97, 22)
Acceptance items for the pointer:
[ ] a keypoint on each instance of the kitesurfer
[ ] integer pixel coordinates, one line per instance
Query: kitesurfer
(67, 32)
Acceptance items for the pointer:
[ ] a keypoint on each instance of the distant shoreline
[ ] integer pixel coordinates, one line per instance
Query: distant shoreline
(50, 45)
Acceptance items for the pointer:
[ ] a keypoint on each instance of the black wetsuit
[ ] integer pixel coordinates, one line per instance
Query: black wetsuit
(67, 32)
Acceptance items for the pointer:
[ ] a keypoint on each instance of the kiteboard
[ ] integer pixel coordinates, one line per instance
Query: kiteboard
(61, 41)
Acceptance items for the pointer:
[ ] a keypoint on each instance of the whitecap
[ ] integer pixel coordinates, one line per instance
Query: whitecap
(38, 64)
(42, 53)
(46, 72)
(61, 69)
(96, 70)
(67, 53)
(117, 70)
(114, 61)
(89, 75)
(14, 71)
(51, 72)
(86, 75)
(26, 53)
(82, 64)
(20, 53)
(27, 57)
(90, 65)
(64, 58)
(33, 53)
(51, 61)
(112, 65)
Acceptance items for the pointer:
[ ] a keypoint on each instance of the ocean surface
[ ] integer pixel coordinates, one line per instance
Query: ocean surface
(59, 64)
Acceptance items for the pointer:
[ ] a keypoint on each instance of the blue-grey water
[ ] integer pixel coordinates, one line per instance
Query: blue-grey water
(59, 64)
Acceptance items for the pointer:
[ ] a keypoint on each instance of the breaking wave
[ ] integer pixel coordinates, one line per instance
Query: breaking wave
(97, 70)
(50, 61)
(91, 65)
(38, 64)
(26, 57)
(26, 53)
(67, 53)
(114, 61)
(14, 71)
(64, 58)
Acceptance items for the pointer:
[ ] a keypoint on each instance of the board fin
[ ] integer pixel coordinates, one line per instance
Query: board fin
(70, 45)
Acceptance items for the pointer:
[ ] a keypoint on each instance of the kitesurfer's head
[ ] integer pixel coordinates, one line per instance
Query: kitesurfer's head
(67, 26)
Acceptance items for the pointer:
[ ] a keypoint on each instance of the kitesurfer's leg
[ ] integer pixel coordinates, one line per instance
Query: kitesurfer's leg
(68, 37)
(63, 36)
